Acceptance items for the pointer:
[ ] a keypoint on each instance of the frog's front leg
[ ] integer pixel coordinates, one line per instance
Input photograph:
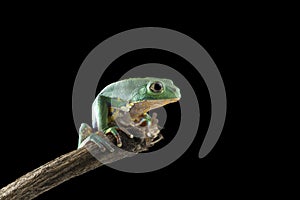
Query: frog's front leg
(115, 133)
(146, 118)
(151, 125)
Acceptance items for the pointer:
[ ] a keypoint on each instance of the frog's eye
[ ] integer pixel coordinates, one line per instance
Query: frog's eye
(156, 87)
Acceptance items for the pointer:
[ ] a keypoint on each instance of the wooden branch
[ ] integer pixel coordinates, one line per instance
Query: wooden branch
(63, 168)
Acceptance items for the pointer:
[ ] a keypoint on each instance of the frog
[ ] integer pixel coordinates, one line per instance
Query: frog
(135, 96)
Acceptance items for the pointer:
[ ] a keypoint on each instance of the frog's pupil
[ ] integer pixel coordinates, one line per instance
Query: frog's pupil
(157, 86)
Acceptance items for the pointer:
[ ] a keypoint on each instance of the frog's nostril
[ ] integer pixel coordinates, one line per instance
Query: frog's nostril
(173, 89)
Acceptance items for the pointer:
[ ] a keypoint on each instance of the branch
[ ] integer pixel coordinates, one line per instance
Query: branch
(63, 168)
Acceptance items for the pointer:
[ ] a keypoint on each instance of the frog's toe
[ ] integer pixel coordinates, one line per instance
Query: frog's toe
(84, 131)
(113, 130)
(99, 141)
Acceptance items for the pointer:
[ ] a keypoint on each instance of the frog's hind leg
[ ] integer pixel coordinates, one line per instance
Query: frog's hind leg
(84, 131)
(87, 134)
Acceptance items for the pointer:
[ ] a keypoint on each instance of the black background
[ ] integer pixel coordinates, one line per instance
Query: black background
(40, 62)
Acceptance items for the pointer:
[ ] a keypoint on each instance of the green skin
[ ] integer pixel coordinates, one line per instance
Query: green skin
(136, 96)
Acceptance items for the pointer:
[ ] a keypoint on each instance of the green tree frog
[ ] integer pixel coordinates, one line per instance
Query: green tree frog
(136, 96)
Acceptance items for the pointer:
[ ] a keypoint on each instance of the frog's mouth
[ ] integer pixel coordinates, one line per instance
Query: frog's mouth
(139, 108)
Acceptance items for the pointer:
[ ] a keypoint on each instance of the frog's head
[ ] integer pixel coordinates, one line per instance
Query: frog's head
(154, 93)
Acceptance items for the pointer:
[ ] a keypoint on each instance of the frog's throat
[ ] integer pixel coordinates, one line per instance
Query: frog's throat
(141, 107)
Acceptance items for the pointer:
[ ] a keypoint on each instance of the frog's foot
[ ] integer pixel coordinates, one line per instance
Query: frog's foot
(145, 120)
(151, 126)
(114, 132)
(84, 131)
(160, 137)
(101, 142)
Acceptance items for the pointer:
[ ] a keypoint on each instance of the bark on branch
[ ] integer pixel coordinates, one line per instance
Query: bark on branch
(61, 169)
